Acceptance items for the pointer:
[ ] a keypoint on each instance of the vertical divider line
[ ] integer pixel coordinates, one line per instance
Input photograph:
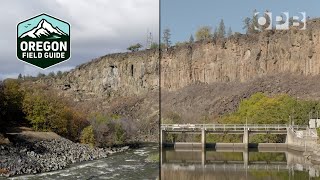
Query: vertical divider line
(160, 57)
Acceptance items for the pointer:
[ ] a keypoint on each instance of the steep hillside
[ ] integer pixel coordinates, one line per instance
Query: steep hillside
(243, 57)
(124, 84)
(122, 74)
(206, 102)
(199, 80)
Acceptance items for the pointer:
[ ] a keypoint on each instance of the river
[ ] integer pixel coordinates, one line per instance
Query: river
(132, 164)
(237, 164)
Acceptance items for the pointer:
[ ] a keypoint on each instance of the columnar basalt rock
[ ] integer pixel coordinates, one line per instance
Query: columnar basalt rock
(242, 58)
(239, 58)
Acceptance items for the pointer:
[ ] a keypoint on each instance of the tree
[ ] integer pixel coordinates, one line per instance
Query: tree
(87, 136)
(247, 25)
(221, 29)
(20, 76)
(191, 39)
(46, 111)
(2, 107)
(203, 33)
(59, 74)
(215, 33)
(135, 47)
(229, 32)
(291, 21)
(166, 37)
(13, 96)
(250, 25)
(51, 74)
(108, 129)
(41, 75)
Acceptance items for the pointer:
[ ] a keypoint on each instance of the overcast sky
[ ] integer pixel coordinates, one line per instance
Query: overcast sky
(98, 27)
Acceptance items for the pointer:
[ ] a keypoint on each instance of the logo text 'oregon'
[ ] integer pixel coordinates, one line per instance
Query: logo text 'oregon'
(43, 41)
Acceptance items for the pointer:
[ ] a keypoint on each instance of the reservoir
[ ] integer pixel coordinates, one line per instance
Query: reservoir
(237, 164)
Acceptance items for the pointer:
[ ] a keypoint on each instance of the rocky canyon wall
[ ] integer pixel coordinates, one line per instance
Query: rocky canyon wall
(239, 58)
(122, 74)
(242, 58)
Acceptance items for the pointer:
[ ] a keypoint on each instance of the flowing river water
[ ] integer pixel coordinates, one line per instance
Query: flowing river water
(185, 164)
(132, 164)
(237, 164)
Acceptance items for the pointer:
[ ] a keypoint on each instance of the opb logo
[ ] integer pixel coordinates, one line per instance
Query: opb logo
(283, 22)
(43, 41)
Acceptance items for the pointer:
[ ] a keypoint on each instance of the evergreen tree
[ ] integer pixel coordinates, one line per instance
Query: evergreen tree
(215, 33)
(191, 39)
(247, 25)
(229, 32)
(221, 29)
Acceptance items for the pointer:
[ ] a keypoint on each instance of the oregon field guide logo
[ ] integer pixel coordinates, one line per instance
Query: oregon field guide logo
(43, 41)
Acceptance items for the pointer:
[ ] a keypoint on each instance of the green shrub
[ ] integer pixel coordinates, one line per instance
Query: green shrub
(120, 134)
(111, 129)
(278, 109)
(87, 136)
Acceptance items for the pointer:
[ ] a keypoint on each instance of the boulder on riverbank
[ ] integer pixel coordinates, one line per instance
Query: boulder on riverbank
(46, 155)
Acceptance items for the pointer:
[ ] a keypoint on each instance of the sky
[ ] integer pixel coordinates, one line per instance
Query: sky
(98, 27)
(184, 17)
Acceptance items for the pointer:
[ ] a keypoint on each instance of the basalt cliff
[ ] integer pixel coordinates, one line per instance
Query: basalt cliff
(199, 79)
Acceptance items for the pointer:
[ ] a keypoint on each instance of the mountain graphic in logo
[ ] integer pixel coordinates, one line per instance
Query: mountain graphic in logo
(44, 30)
(43, 41)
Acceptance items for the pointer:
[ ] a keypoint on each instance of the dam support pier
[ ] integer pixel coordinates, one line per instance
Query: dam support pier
(296, 136)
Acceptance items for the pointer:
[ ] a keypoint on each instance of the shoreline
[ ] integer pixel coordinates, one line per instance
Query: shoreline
(25, 158)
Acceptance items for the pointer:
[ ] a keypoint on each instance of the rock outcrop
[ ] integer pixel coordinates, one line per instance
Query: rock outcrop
(239, 58)
(122, 74)
(242, 57)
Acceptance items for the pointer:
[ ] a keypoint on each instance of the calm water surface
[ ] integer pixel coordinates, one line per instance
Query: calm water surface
(236, 164)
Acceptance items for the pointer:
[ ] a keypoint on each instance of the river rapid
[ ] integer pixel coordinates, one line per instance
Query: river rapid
(132, 164)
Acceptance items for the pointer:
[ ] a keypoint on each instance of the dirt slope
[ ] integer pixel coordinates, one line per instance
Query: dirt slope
(196, 101)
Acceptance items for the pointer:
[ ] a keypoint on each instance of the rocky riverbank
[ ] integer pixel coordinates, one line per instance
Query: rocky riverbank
(48, 155)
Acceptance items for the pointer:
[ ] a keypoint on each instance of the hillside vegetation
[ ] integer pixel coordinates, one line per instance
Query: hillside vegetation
(259, 108)
(277, 109)
(26, 103)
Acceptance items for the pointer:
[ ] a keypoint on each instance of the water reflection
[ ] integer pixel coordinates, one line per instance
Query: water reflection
(220, 164)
